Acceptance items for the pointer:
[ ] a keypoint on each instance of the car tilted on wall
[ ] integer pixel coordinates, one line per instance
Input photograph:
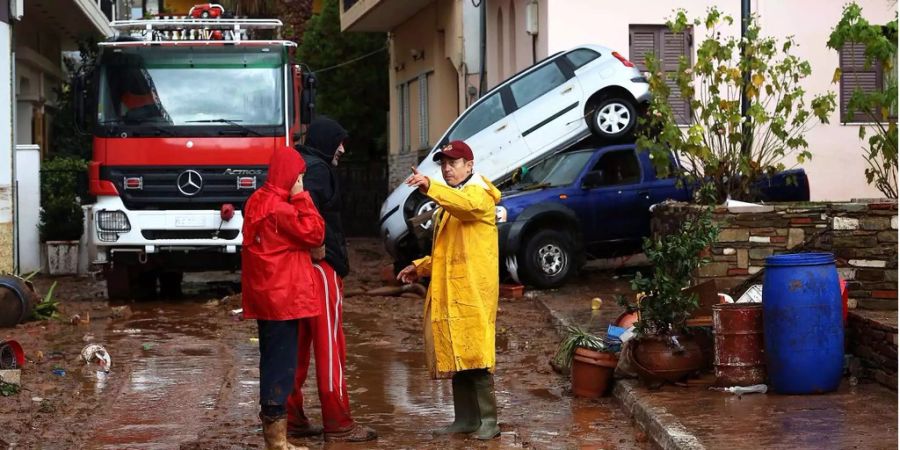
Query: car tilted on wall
(567, 97)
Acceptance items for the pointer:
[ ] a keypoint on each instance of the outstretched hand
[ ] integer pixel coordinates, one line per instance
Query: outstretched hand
(408, 275)
(417, 180)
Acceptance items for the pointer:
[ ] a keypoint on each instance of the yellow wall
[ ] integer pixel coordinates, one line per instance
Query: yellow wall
(436, 31)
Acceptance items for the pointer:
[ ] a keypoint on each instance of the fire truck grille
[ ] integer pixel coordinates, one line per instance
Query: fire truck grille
(161, 188)
(154, 235)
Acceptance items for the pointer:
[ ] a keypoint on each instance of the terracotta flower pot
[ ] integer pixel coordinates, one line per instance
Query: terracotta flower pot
(592, 372)
(657, 359)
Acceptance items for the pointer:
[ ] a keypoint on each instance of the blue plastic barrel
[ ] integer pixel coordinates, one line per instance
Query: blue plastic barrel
(804, 333)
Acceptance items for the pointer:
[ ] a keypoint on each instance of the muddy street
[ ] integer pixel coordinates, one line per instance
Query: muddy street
(184, 375)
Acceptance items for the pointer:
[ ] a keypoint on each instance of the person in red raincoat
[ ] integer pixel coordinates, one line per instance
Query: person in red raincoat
(281, 226)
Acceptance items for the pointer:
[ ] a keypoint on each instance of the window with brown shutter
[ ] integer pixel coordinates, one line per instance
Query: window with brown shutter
(855, 75)
(669, 47)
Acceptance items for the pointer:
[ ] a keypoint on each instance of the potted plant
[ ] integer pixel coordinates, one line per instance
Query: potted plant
(665, 349)
(590, 360)
(62, 218)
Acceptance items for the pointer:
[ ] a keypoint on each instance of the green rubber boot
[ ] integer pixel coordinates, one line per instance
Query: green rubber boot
(487, 405)
(465, 406)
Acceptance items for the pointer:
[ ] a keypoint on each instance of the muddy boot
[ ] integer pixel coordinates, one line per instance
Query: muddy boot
(304, 429)
(275, 434)
(359, 433)
(487, 405)
(465, 406)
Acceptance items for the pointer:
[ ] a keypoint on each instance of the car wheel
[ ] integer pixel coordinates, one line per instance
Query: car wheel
(547, 258)
(426, 206)
(613, 118)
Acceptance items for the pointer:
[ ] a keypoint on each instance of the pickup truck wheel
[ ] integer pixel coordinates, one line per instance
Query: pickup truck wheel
(613, 118)
(547, 258)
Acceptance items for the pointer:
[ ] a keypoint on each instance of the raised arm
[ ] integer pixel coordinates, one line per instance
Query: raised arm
(300, 222)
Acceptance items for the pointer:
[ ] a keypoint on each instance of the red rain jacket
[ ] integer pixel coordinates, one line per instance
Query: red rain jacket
(276, 268)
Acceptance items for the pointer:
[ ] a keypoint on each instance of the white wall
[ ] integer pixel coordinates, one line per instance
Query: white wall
(28, 177)
(6, 111)
(836, 170)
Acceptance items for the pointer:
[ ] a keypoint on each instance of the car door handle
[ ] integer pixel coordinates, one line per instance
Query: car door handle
(567, 90)
(645, 195)
(500, 128)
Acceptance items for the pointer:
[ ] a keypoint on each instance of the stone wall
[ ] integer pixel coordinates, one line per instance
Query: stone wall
(872, 337)
(862, 236)
(398, 168)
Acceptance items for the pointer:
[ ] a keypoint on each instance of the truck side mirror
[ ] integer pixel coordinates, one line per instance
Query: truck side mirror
(79, 95)
(592, 179)
(308, 98)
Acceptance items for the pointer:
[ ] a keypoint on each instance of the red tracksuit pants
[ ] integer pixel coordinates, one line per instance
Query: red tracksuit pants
(326, 334)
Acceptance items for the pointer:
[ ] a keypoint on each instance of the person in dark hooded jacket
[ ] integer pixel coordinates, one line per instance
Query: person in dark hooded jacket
(322, 150)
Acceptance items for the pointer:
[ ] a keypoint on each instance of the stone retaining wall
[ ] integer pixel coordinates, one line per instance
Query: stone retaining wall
(872, 337)
(862, 236)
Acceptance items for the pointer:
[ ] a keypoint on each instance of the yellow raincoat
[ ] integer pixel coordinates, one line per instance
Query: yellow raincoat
(461, 305)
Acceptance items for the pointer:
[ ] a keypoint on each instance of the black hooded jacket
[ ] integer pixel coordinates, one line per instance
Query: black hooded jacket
(323, 137)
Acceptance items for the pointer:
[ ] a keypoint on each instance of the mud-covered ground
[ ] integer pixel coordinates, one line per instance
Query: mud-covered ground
(184, 373)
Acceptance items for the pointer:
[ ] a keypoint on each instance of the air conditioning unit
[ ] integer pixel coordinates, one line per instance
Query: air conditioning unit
(16, 9)
(531, 18)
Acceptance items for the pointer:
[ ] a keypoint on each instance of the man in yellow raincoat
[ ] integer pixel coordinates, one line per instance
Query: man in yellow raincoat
(461, 306)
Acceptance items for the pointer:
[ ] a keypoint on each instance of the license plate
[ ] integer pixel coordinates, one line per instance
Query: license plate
(188, 222)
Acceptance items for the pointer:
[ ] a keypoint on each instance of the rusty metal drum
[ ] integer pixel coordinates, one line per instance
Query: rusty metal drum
(739, 345)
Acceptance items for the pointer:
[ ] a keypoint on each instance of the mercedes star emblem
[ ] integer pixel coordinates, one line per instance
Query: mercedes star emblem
(190, 182)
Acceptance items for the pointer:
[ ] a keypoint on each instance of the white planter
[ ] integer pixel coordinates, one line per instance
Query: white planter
(62, 257)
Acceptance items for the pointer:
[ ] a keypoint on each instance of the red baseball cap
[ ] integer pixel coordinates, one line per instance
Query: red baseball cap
(454, 150)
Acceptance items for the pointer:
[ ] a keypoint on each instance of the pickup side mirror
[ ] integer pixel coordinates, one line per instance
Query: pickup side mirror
(519, 174)
(592, 179)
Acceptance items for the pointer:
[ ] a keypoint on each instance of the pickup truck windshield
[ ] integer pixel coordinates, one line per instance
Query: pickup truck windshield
(558, 170)
(173, 87)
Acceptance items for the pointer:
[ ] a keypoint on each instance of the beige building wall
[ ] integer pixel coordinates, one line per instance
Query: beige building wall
(836, 171)
(427, 45)
(509, 47)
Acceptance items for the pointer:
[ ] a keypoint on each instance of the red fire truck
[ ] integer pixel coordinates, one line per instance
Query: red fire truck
(185, 114)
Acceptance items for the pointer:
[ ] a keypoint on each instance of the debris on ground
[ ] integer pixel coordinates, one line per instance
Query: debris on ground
(11, 376)
(741, 390)
(389, 291)
(96, 354)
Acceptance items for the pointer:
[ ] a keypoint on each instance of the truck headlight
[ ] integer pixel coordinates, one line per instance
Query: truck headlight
(113, 221)
(501, 214)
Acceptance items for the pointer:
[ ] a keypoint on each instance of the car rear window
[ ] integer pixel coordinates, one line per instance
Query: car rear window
(537, 83)
(581, 57)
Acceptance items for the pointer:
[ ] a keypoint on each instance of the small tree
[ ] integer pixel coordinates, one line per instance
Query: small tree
(674, 257)
(66, 139)
(353, 88)
(718, 144)
(879, 106)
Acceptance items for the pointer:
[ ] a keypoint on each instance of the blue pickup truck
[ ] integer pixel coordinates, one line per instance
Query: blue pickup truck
(594, 202)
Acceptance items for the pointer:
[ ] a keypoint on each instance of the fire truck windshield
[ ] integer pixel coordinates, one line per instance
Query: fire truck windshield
(187, 90)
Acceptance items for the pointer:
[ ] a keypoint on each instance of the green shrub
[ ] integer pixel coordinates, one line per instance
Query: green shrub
(61, 213)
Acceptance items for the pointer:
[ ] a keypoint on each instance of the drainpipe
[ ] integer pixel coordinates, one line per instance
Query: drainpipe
(745, 102)
(482, 82)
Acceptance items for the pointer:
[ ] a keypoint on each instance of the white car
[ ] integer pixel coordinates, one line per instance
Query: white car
(542, 110)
